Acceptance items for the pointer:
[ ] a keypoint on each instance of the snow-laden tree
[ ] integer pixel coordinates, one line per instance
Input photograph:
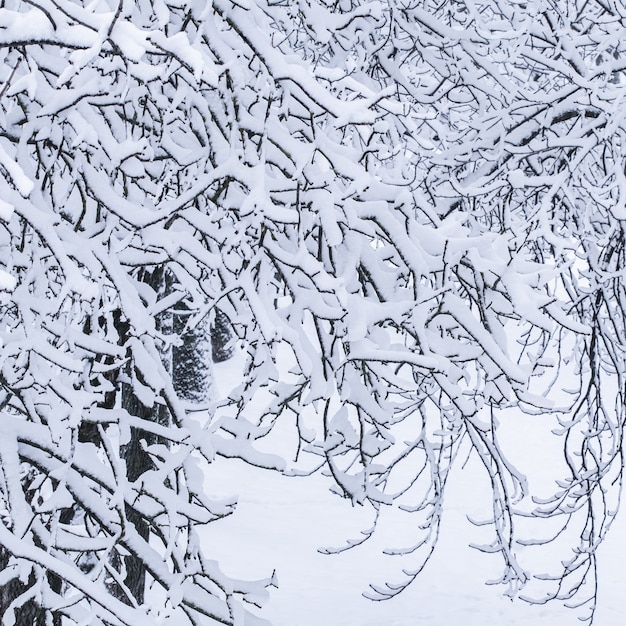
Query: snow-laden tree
(107, 141)
(410, 213)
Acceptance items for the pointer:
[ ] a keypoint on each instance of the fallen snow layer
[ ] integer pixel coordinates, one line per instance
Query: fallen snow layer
(280, 522)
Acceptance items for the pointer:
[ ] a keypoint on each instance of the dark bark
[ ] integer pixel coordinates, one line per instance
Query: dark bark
(222, 337)
(30, 613)
(190, 365)
(137, 459)
(137, 463)
(191, 361)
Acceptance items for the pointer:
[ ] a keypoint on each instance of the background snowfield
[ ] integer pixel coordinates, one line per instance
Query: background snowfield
(280, 523)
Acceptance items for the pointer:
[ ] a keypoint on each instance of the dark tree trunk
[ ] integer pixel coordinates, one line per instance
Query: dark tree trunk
(30, 613)
(191, 361)
(137, 463)
(137, 459)
(222, 337)
(190, 365)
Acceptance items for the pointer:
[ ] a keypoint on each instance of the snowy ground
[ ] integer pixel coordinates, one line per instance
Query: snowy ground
(280, 522)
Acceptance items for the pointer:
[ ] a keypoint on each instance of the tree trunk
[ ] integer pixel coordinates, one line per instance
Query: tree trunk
(30, 613)
(192, 370)
(221, 337)
(137, 460)
(191, 367)
(137, 463)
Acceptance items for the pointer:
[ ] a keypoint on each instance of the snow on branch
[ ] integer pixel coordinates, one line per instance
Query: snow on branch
(409, 217)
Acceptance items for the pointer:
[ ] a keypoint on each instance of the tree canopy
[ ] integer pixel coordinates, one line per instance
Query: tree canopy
(412, 214)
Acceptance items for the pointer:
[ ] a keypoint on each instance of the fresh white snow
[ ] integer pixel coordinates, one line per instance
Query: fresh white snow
(280, 522)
